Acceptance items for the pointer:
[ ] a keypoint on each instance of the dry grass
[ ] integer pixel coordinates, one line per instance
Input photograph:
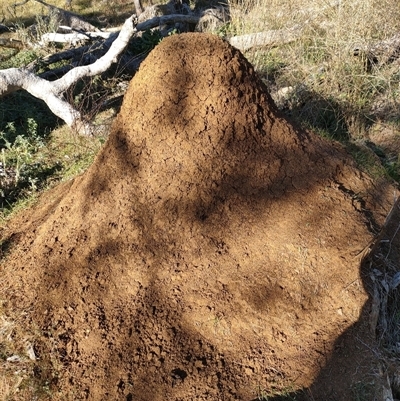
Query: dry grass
(98, 12)
(331, 89)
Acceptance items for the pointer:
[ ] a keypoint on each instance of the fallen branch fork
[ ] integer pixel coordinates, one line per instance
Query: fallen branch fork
(51, 93)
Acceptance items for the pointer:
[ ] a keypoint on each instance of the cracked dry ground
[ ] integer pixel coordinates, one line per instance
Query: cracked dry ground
(213, 251)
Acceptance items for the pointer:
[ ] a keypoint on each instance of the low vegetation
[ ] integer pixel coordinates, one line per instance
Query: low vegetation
(327, 80)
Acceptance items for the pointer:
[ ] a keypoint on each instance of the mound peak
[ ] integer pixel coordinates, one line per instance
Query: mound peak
(209, 251)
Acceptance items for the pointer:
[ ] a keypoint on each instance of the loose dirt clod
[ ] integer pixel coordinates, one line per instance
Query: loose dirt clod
(211, 252)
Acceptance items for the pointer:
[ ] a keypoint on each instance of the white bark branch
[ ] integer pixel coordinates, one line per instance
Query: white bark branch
(14, 79)
(72, 38)
(76, 37)
(280, 36)
(103, 63)
(51, 93)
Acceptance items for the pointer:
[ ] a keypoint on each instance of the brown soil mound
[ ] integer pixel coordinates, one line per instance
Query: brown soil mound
(211, 252)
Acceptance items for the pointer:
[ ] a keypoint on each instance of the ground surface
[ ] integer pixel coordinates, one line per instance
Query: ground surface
(212, 251)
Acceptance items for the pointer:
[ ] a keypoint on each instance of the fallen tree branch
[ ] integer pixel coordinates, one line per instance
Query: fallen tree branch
(51, 93)
(138, 7)
(79, 36)
(72, 38)
(381, 53)
(101, 64)
(88, 54)
(279, 36)
(267, 38)
(83, 55)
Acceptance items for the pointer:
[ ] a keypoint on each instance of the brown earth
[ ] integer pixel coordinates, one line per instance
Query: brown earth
(212, 251)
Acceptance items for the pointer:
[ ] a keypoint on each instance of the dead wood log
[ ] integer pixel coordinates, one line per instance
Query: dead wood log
(71, 38)
(267, 38)
(83, 55)
(381, 53)
(88, 54)
(79, 37)
(280, 36)
(51, 93)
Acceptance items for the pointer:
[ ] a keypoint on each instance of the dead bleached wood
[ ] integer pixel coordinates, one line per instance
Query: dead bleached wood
(88, 54)
(381, 53)
(213, 19)
(80, 37)
(267, 38)
(79, 56)
(138, 6)
(272, 38)
(104, 62)
(51, 93)
(73, 38)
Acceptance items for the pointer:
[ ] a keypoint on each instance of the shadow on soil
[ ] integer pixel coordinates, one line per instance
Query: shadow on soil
(191, 356)
(355, 353)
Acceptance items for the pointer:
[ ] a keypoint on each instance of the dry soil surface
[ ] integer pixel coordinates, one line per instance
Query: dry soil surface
(213, 251)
